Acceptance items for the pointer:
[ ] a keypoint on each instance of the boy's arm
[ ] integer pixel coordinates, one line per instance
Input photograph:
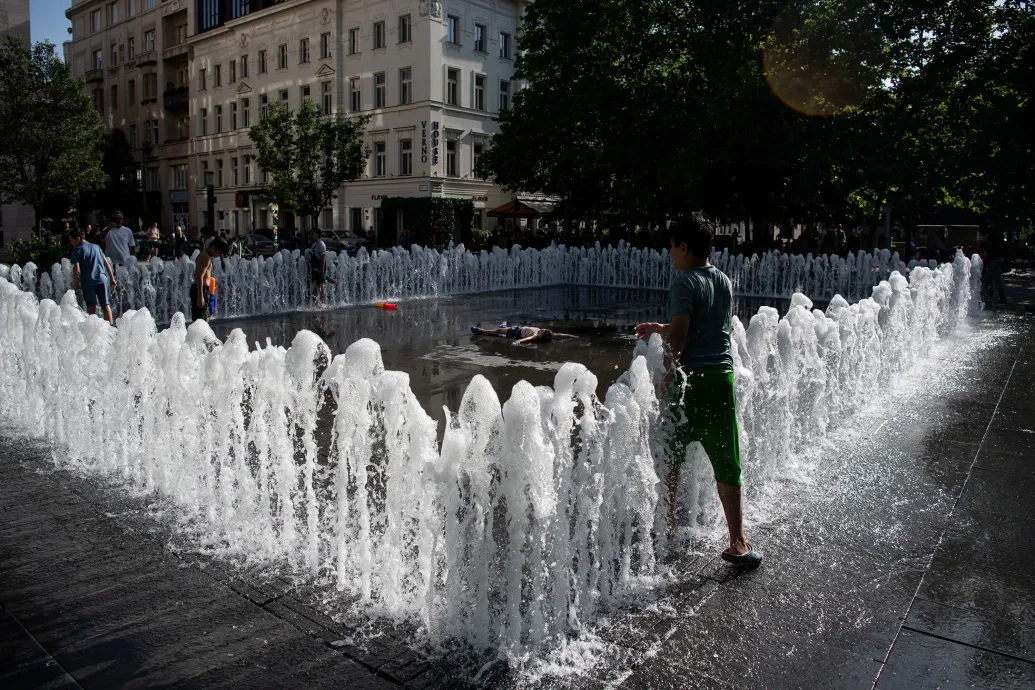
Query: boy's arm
(75, 276)
(111, 271)
(199, 274)
(677, 331)
(526, 340)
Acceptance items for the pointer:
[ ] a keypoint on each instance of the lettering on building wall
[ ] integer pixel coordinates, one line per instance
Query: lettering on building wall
(434, 143)
(422, 188)
(378, 197)
(479, 198)
(424, 141)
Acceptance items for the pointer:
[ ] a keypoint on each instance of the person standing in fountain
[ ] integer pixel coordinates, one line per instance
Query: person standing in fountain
(119, 242)
(317, 256)
(199, 292)
(701, 398)
(91, 271)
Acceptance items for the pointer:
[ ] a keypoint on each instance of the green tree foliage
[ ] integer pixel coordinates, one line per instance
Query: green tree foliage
(308, 156)
(812, 110)
(121, 190)
(50, 137)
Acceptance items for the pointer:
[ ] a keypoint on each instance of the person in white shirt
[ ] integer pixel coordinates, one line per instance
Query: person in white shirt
(119, 243)
(523, 334)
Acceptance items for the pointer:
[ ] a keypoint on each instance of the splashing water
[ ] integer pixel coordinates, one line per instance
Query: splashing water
(527, 521)
(281, 283)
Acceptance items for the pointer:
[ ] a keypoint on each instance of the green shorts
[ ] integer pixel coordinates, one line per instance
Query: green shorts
(707, 413)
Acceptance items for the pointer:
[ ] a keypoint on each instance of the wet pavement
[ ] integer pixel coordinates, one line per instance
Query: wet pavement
(900, 561)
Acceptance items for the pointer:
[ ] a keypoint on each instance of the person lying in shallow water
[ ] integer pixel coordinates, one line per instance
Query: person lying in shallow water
(523, 334)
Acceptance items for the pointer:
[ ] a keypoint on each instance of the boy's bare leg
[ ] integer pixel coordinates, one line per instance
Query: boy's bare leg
(732, 507)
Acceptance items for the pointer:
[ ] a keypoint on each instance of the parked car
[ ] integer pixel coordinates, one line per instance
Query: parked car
(255, 244)
(353, 244)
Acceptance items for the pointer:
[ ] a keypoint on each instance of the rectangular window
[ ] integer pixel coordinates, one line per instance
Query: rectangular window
(405, 86)
(98, 100)
(452, 169)
(380, 159)
(151, 86)
(379, 35)
(453, 86)
(476, 156)
(244, 66)
(233, 172)
(181, 34)
(114, 56)
(328, 218)
(247, 170)
(282, 56)
(479, 91)
(153, 181)
(246, 113)
(202, 81)
(264, 105)
(262, 62)
(504, 95)
(232, 73)
(132, 136)
(98, 60)
(479, 38)
(205, 179)
(153, 124)
(453, 29)
(233, 116)
(217, 75)
(131, 47)
(405, 29)
(178, 176)
(353, 41)
(406, 156)
(219, 119)
(303, 51)
(304, 94)
(132, 91)
(326, 97)
(219, 172)
(355, 98)
(325, 45)
(114, 97)
(203, 115)
(504, 45)
(379, 90)
(264, 218)
(284, 98)
(95, 21)
(149, 41)
(149, 4)
(113, 13)
(132, 8)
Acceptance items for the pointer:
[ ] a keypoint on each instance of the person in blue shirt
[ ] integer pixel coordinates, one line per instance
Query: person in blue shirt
(702, 399)
(91, 270)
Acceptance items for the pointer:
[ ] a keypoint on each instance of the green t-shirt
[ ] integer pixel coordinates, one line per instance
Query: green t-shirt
(705, 293)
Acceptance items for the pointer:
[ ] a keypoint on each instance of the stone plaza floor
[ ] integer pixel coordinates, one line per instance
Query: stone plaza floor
(902, 563)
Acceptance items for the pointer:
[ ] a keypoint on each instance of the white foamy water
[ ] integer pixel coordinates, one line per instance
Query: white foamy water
(281, 283)
(528, 520)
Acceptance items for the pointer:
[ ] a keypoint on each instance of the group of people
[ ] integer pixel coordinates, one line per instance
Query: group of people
(700, 396)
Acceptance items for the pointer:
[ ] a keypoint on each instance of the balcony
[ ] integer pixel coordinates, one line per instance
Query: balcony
(176, 99)
(113, 71)
(93, 75)
(148, 58)
(173, 52)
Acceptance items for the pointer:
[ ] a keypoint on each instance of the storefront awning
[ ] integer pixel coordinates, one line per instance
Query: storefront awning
(520, 209)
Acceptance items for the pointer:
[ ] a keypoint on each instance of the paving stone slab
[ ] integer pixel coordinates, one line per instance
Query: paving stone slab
(923, 662)
(979, 537)
(1004, 493)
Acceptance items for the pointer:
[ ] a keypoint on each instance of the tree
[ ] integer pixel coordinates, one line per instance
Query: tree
(51, 133)
(308, 156)
(121, 190)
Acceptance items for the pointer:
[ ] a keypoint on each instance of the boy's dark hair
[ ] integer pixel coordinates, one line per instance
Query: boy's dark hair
(695, 232)
(546, 335)
(220, 244)
(76, 233)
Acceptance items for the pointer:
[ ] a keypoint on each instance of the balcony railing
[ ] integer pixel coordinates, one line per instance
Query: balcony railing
(95, 75)
(148, 58)
(173, 52)
(176, 99)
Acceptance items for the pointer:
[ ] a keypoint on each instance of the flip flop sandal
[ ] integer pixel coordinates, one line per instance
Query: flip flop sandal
(747, 561)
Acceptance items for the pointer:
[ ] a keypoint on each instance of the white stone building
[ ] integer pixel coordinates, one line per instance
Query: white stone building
(433, 76)
(133, 56)
(16, 219)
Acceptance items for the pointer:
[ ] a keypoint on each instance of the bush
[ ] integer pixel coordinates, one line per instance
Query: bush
(42, 251)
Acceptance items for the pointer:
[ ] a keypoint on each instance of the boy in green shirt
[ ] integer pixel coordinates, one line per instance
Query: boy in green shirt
(705, 403)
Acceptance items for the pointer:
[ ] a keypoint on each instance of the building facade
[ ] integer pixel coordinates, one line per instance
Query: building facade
(16, 219)
(133, 55)
(433, 76)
